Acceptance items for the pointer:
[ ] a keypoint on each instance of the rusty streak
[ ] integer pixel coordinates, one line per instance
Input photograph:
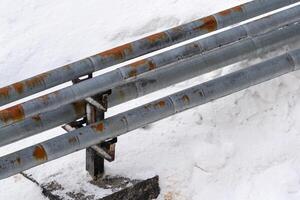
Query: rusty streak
(36, 118)
(19, 87)
(118, 53)
(230, 11)
(39, 153)
(133, 73)
(99, 127)
(237, 9)
(209, 24)
(158, 37)
(4, 92)
(15, 113)
(79, 108)
(36, 81)
(151, 65)
(160, 104)
(185, 99)
(145, 62)
(18, 160)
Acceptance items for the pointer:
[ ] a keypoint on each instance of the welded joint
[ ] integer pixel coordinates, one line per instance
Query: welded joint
(101, 152)
(96, 104)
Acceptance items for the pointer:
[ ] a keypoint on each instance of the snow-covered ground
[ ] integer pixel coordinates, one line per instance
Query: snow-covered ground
(245, 146)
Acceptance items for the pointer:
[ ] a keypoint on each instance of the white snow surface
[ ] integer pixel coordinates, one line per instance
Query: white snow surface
(244, 146)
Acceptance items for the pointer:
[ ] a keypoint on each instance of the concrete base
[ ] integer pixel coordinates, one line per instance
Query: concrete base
(110, 188)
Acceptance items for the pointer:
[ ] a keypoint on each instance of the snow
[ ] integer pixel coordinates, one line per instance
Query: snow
(244, 146)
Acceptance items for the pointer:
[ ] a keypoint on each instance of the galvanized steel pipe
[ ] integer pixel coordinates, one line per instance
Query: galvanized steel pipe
(210, 61)
(145, 85)
(122, 123)
(137, 48)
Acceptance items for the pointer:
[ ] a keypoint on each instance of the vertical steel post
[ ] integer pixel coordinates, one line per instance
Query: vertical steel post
(95, 109)
(94, 162)
(96, 154)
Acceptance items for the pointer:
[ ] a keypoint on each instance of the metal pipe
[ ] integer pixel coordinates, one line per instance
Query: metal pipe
(138, 117)
(147, 84)
(210, 61)
(137, 48)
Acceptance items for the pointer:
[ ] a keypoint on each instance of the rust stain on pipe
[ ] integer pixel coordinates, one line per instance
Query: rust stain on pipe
(117, 53)
(237, 9)
(36, 118)
(39, 153)
(151, 65)
(99, 127)
(231, 10)
(157, 37)
(79, 107)
(209, 24)
(19, 87)
(185, 99)
(145, 62)
(18, 160)
(15, 113)
(4, 92)
(36, 81)
(160, 104)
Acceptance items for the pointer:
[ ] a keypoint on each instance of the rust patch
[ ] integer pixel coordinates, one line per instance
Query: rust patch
(36, 118)
(209, 24)
(145, 62)
(39, 153)
(118, 53)
(237, 9)
(225, 12)
(45, 99)
(4, 92)
(36, 81)
(19, 87)
(132, 73)
(73, 140)
(79, 108)
(185, 99)
(230, 11)
(139, 63)
(157, 37)
(18, 160)
(151, 65)
(15, 113)
(160, 104)
(98, 127)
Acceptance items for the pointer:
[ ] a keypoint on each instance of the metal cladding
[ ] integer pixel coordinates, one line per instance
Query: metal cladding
(137, 48)
(203, 63)
(147, 84)
(122, 123)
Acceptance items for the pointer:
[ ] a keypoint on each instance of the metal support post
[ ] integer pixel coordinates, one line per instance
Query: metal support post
(96, 107)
